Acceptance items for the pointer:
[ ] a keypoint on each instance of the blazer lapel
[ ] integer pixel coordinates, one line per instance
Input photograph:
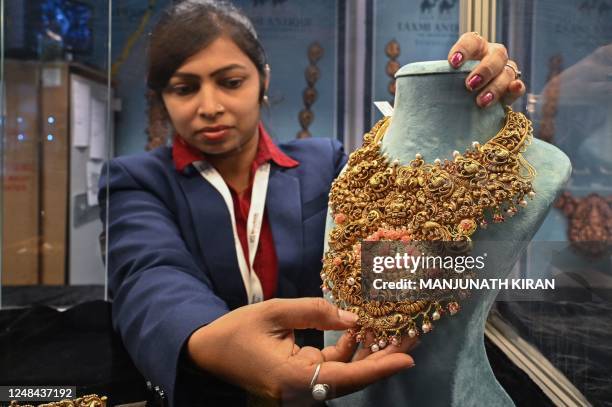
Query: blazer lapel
(213, 229)
(284, 209)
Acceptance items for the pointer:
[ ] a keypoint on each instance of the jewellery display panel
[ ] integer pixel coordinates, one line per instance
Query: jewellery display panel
(305, 48)
(401, 32)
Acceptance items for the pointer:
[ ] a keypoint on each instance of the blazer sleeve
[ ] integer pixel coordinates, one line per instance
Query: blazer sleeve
(340, 157)
(160, 296)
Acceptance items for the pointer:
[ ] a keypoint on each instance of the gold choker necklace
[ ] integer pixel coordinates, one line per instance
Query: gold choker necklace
(375, 200)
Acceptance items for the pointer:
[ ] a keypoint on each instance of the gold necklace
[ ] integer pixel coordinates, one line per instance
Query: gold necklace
(376, 200)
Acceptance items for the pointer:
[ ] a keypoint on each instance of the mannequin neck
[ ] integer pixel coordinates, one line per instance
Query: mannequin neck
(435, 114)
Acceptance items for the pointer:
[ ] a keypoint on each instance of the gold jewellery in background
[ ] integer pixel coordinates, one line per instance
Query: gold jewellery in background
(92, 400)
(378, 200)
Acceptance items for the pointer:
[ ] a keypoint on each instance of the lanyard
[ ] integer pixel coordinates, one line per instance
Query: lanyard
(254, 220)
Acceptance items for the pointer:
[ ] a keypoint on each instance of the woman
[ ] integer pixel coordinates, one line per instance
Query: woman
(226, 218)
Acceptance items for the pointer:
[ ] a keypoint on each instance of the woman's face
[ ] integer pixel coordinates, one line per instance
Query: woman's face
(213, 98)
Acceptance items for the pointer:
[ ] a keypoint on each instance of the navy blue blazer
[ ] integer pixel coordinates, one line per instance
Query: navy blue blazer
(171, 257)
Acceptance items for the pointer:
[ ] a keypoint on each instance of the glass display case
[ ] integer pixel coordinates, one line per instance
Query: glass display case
(57, 131)
(57, 127)
(564, 49)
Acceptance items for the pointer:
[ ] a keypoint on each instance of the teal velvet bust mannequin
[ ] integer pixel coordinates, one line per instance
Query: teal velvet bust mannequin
(435, 115)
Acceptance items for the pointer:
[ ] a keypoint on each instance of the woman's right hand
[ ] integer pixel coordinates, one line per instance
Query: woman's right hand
(254, 348)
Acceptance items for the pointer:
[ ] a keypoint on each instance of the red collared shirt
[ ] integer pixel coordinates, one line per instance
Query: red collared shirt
(265, 264)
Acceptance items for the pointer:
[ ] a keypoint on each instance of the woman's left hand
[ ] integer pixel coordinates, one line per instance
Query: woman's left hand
(492, 79)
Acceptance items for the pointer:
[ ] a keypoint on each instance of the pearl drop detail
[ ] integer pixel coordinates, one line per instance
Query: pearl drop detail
(374, 348)
(412, 332)
(435, 316)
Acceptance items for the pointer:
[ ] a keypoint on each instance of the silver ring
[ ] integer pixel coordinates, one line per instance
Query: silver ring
(517, 73)
(315, 376)
(319, 391)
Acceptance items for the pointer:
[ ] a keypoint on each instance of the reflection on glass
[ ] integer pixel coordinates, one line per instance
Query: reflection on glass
(50, 234)
(565, 49)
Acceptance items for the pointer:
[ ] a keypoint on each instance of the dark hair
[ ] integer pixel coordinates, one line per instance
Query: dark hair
(183, 30)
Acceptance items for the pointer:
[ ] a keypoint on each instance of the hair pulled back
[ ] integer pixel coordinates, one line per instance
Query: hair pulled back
(183, 30)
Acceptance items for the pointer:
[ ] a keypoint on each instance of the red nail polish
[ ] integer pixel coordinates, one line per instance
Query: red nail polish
(456, 59)
(474, 81)
(486, 98)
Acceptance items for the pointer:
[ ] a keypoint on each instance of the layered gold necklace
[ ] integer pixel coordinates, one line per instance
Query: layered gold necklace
(378, 200)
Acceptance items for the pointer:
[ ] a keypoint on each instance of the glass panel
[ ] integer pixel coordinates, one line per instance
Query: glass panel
(564, 49)
(55, 137)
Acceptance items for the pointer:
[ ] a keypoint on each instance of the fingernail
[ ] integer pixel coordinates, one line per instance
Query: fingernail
(516, 87)
(474, 81)
(486, 99)
(347, 316)
(456, 59)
